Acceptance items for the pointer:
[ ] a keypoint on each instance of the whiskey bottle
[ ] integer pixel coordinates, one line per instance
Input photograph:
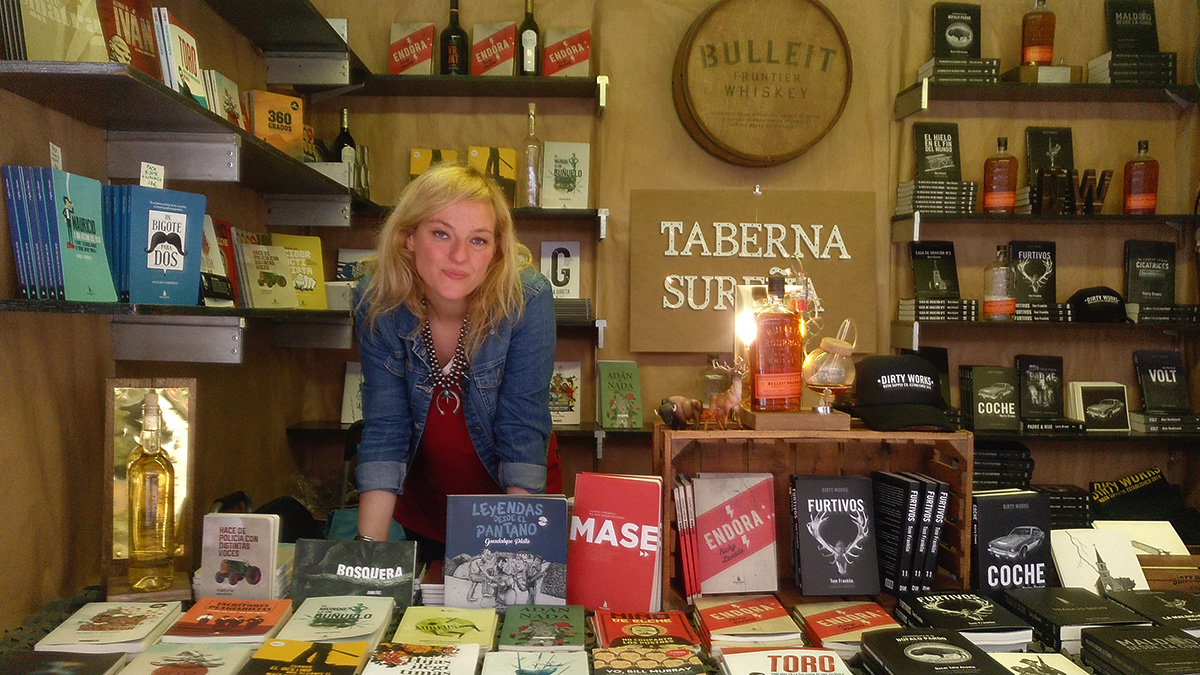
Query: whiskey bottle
(151, 480)
(529, 38)
(343, 144)
(529, 182)
(777, 354)
(1141, 183)
(999, 288)
(455, 46)
(1037, 35)
(1000, 180)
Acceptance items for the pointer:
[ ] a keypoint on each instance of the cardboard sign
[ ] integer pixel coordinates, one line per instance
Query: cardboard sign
(693, 247)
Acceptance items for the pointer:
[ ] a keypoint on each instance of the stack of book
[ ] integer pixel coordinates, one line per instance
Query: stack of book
(1140, 650)
(1174, 609)
(979, 619)
(841, 624)
(1152, 69)
(960, 418)
(1002, 465)
(340, 619)
(935, 196)
(1139, 313)
(1059, 615)
(111, 627)
(925, 651)
(960, 70)
(573, 310)
(1070, 505)
(915, 309)
(781, 660)
(1024, 199)
(237, 621)
(989, 393)
(1166, 400)
(761, 621)
(1039, 312)
(432, 586)
(667, 629)
(708, 503)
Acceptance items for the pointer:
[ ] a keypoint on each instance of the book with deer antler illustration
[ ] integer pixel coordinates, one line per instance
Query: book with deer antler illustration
(835, 535)
(1033, 262)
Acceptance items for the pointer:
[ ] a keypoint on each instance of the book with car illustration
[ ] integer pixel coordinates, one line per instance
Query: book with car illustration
(990, 394)
(1009, 542)
(1101, 406)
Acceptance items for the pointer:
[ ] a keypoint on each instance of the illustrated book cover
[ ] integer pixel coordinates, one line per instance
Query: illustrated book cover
(1098, 560)
(129, 34)
(841, 622)
(619, 395)
(735, 531)
(1048, 148)
(217, 658)
(1058, 615)
(215, 287)
(935, 147)
(225, 99)
(565, 170)
(1163, 381)
(956, 30)
(266, 274)
(166, 232)
(378, 569)
(229, 620)
(836, 528)
(420, 159)
(1148, 537)
(543, 628)
(1132, 26)
(1101, 406)
(339, 618)
(614, 549)
(568, 52)
(239, 554)
(397, 658)
(505, 550)
(352, 393)
(560, 264)
(493, 48)
(994, 398)
(498, 163)
(78, 224)
(1033, 262)
(411, 49)
(277, 119)
(1040, 380)
(926, 651)
(646, 661)
(1025, 663)
(306, 267)
(935, 271)
(670, 628)
(981, 619)
(565, 392)
(105, 627)
(281, 656)
(431, 625)
(1010, 546)
(526, 662)
(61, 31)
(186, 76)
(65, 663)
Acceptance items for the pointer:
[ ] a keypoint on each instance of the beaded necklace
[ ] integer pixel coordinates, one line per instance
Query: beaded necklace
(446, 381)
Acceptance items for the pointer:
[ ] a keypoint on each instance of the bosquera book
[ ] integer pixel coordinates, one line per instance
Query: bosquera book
(836, 535)
(367, 568)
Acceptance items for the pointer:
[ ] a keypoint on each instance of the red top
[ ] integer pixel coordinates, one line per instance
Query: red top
(446, 464)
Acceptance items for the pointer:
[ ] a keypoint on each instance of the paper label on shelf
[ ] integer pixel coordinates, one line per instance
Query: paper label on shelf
(152, 176)
(55, 157)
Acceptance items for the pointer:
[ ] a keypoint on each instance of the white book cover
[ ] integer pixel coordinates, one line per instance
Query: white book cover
(1098, 560)
(531, 662)
(1148, 537)
(104, 627)
(780, 662)
(209, 659)
(564, 392)
(339, 618)
(565, 169)
(238, 551)
(226, 99)
(560, 264)
(397, 658)
(1028, 663)
(352, 402)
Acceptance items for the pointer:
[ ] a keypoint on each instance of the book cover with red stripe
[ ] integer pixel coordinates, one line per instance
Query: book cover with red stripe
(735, 532)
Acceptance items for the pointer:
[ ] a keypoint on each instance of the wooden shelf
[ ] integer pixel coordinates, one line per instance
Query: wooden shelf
(595, 218)
(908, 334)
(909, 228)
(478, 87)
(1133, 438)
(921, 95)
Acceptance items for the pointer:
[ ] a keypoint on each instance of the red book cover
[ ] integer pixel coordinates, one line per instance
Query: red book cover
(568, 52)
(494, 48)
(229, 620)
(644, 629)
(614, 551)
(735, 532)
(411, 52)
(225, 243)
(129, 34)
(842, 621)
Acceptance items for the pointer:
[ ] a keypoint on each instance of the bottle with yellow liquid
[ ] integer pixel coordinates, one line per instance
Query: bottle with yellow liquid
(151, 506)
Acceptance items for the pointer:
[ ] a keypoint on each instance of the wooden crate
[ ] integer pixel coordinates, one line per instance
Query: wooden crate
(946, 456)
(1171, 572)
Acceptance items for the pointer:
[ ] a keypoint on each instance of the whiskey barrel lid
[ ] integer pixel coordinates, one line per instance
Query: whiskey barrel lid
(757, 82)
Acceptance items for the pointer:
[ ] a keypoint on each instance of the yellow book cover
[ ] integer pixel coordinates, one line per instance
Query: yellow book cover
(500, 164)
(300, 657)
(308, 268)
(278, 119)
(420, 159)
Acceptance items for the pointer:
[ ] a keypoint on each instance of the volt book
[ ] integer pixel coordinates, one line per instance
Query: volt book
(835, 535)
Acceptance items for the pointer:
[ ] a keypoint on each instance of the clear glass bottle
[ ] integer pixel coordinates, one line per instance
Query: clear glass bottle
(529, 181)
(1037, 35)
(1141, 183)
(151, 480)
(343, 145)
(1000, 180)
(999, 288)
(529, 41)
(455, 51)
(363, 172)
(777, 354)
(713, 379)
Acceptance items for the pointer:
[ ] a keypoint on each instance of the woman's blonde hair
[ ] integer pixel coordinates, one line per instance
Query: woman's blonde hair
(393, 278)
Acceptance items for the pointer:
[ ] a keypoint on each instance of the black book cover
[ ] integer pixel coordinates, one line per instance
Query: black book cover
(994, 398)
(379, 568)
(959, 610)
(935, 147)
(1048, 147)
(1150, 272)
(897, 508)
(1058, 613)
(922, 550)
(1103, 406)
(940, 358)
(1033, 262)
(1148, 650)
(1132, 28)
(1010, 541)
(1163, 381)
(921, 651)
(1040, 379)
(956, 27)
(837, 541)
(1176, 609)
(935, 271)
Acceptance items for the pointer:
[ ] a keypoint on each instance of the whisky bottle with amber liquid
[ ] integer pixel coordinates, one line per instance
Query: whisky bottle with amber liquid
(151, 480)
(777, 354)
(1000, 180)
(1037, 35)
(1141, 183)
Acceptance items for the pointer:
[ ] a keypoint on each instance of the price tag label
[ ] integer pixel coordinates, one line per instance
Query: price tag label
(153, 175)
(55, 157)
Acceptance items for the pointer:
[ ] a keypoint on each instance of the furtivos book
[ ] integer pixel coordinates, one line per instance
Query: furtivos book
(367, 568)
(935, 147)
(835, 541)
(735, 532)
(935, 272)
(1033, 262)
(504, 550)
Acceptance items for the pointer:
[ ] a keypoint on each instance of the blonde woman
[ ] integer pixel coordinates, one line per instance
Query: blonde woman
(456, 337)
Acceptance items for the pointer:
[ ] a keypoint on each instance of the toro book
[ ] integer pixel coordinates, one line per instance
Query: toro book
(836, 535)
(368, 568)
(105, 627)
(505, 550)
(784, 662)
(1010, 540)
(229, 620)
(543, 628)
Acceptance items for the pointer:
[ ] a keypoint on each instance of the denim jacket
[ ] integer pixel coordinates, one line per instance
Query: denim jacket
(506, 401)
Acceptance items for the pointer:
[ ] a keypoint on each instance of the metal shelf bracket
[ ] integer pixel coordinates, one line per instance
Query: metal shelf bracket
(602, 217)
(191, 339)
(184, 155)
(311, 210)
(308, 68)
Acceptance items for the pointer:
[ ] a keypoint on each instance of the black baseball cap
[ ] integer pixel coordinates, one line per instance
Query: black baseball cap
(1097, 304)
(899, 392)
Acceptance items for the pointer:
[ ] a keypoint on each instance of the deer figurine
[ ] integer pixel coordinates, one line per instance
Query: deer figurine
(722, 405)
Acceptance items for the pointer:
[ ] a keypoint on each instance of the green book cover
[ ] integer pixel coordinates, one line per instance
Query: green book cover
(543, 628)
(77, 209)
(619, 395)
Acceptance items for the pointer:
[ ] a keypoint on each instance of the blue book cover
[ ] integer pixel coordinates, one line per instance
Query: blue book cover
(77, 213)
(18, 224)
(166, 228)
(123, 245)
(38, 231)
(505, 550)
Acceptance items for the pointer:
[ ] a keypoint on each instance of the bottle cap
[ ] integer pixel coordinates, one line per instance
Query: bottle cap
(150, 410)
(775, 286)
